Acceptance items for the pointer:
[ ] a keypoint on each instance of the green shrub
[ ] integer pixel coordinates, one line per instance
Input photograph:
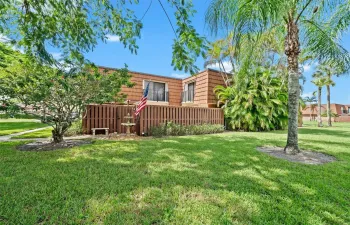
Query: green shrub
(75, 129)
(159, 131)
(259, 102)
(172, 129)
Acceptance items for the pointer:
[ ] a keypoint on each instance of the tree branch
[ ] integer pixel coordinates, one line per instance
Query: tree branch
(302, 11)
(171, 24)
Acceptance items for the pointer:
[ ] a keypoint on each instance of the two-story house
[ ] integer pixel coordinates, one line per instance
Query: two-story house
(194, 91)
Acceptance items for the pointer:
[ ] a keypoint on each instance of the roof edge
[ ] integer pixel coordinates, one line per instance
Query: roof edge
(156, 75)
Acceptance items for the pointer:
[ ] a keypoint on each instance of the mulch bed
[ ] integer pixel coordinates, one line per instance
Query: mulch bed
(50, 146)
(306, 157)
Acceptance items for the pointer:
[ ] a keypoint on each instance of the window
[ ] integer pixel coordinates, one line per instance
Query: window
(157, 91)
(348, 110)
(188, 94)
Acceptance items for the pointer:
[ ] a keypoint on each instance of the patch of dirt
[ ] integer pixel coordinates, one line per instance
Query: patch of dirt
(49, 146)
(306, 157)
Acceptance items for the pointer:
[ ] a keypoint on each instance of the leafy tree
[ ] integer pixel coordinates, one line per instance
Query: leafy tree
(74, 27)
(318, 24)
(63, 96)
(258, 105)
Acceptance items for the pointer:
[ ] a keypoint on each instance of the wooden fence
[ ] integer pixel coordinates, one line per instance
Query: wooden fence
(111, 116)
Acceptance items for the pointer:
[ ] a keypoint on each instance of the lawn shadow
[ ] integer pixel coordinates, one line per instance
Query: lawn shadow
(203, 179)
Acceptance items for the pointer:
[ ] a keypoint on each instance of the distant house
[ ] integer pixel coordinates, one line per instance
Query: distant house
(343, 111)
(194, 91)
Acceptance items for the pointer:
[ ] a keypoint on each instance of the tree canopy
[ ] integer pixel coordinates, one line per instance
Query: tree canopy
(74, 27)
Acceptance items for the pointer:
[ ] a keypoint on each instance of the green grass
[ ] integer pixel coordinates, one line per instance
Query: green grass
(10, 126)
(46, 133)
(210, 179)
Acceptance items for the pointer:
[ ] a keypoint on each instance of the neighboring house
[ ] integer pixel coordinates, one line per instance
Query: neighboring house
(194, 91)
(342, 110)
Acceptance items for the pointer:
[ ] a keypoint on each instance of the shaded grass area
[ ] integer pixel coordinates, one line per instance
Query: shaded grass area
(18, 125)
(210, 179)
(46, 133)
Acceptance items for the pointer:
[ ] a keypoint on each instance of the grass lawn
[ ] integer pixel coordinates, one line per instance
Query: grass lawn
(210, 179)
(46, 133)
(10, 126)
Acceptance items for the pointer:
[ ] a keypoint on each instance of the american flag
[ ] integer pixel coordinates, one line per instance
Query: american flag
(142, 103)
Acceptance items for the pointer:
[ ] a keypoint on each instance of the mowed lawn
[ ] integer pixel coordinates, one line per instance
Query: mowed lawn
(45, 133)
(10, 126)
(210, 179)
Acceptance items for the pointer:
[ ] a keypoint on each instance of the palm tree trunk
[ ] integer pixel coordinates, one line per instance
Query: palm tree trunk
(329, 113)
(319, 107)
(292, 50)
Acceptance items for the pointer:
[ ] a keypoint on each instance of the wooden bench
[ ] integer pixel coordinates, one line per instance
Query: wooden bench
(94, 130)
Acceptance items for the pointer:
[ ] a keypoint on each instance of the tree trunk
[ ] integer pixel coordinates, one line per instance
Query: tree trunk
(329, 113)
(292, 50)
(319, 107)
(57, 136)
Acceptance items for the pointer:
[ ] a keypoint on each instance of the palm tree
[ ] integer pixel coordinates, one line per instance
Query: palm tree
(327, 71)
(313, 106)
(217, 53)
(310, 100)
(319, 21)
(319, 81)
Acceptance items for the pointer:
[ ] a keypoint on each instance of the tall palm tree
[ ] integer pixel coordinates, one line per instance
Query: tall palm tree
(320, 22)
(328, 71)
(320, 82)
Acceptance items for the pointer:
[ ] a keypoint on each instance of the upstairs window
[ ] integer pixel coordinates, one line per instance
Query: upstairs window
(188, 94)
(157, 91)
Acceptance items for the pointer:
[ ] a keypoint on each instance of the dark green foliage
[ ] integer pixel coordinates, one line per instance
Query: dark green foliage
(172, 129)
(258, 103)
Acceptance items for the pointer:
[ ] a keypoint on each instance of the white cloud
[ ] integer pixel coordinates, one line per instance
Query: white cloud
(180, 76)
(227, 65)
(112, 38)
(308, 94)
(4, 38)
(310, 66)
(307, 67)
(56, 55)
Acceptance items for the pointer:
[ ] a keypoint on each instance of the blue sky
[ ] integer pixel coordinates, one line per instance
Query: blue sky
(155, 52)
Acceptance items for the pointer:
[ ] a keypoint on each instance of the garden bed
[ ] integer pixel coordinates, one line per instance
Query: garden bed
(49, 146)
(306, 157)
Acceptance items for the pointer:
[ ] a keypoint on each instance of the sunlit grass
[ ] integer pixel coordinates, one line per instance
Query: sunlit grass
(10, 126)
(46, 133)
(210, 179)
